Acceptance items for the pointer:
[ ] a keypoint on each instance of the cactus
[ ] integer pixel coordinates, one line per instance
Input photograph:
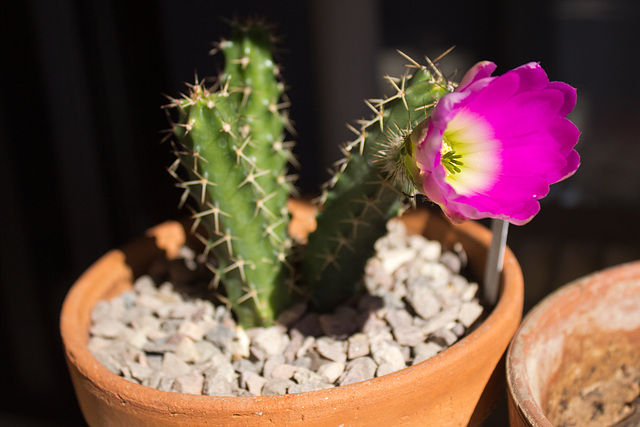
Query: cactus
(229, 140)
(364, 190)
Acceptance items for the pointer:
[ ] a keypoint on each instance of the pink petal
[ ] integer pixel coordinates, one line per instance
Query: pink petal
(532, 77)
(479, 71)
(570, 97)
(516, 188)
(525, 113)
(526, 161)
(494, 95)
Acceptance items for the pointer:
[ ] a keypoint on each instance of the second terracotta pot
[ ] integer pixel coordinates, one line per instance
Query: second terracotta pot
(572, 342)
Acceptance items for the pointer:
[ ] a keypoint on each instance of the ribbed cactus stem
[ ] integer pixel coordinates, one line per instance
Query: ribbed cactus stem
(230, 142)
(364, 192)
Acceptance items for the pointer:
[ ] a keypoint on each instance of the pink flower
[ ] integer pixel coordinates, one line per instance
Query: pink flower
(492, 148)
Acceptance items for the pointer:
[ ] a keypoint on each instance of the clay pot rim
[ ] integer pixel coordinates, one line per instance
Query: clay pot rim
(521, 393)
(75, 337)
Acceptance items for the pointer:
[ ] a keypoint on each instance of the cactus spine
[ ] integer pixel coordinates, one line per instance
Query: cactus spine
(364, 191)
(230, 141)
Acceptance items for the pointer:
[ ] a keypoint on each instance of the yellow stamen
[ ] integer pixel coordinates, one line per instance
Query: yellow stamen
(450, 160)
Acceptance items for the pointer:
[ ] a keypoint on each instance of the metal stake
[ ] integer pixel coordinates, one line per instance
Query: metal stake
(495, 260)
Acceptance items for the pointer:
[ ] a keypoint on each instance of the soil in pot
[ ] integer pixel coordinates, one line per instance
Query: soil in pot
(417, 304)
(598, 382)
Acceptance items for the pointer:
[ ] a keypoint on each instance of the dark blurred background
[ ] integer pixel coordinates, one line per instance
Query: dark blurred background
(82, 168)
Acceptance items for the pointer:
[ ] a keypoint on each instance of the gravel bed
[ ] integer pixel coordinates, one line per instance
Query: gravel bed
(417, 305)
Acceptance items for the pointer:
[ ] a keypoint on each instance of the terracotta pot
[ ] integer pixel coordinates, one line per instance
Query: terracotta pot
(459, 386)
(576, 336)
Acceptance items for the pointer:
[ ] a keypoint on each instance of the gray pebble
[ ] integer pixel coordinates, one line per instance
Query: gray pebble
(441, 320)
(190, 383)
(469, 313)
(154, 380)
(137, 339)
(409, 335)
(295, 343)
(370, 303)
(159, 347)
(227, 370)
(193, 330)
(308, 386)
(205, 351)
(389, 353)
(145, 285)
(242, 365)
(426, 350)
(307, 380)
(220, 335)
(145, 322)
(331, 349)
(356, 370)
(108, 328)
(303, 362)
(270, 341)
(98, 344)
(275, 386)
(166, 383)
(110, 362)
(252, 382)
(240, 345)
(468, 291)
(173, 366)
(303, 375)
(458, 329)
(399, 318)
(271, 363)
(309, 325)
(150, 301)
(187, 350)
(429, 250)
(154, 361)
(331, 371)
(444, 337)
(283, 371)
(387, 368)
(306, 345)
(452, 261)
(338, 325)
(101, 311)
(372, 323)
(395, 259)
(358, 346)
(423, 300)
(378, 335)
(216, 385)
(170, 326)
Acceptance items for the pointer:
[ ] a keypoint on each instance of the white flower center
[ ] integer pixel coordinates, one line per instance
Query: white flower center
(470, 153)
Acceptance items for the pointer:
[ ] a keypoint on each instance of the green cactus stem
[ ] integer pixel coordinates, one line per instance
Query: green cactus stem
(366, 190)
(230, 140)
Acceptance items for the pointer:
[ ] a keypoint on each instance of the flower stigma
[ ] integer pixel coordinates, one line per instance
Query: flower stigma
(450, 159)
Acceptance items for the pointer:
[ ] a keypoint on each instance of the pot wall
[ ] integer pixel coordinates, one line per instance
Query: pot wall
(460, 386)
(566, 332)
